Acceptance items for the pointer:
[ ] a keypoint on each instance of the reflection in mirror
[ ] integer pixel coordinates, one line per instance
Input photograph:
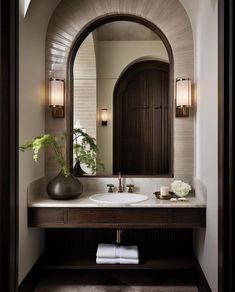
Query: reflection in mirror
(121, 102)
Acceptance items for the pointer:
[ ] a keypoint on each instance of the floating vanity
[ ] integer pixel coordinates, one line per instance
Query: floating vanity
(163, 230)
(86, 213)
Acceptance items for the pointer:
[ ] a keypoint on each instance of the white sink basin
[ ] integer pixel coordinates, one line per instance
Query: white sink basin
(118, 198)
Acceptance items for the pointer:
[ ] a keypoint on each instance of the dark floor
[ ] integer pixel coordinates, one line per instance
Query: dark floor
(116, 281)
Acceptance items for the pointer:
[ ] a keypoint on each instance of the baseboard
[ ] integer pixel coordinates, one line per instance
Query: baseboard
(32, 278)
(202, 284)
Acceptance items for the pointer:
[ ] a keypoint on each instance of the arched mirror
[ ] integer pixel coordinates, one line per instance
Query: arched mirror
(122, 102)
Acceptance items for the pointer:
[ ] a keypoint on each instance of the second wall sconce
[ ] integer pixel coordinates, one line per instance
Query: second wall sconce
(57, 97)
(104, 117)
(183, 97)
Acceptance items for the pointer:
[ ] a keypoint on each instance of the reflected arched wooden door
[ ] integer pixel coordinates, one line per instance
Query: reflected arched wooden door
(141, 137)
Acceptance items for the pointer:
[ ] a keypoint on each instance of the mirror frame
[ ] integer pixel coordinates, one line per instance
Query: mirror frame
(69, 88)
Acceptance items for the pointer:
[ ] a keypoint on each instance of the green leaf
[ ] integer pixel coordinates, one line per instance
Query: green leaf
(45, 141)
(86, 151)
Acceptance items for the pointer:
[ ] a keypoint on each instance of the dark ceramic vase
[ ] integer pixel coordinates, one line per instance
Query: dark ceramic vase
(64, 188)
(77, 170)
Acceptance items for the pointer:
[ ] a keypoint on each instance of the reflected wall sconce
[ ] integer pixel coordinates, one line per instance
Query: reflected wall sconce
(57, 97)
(183, 97)
(104, 117)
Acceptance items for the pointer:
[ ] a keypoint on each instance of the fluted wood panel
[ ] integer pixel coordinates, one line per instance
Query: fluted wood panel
(148, 240)
(72, 16)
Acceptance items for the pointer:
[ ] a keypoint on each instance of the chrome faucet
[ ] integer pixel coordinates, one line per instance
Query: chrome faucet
(120, 187)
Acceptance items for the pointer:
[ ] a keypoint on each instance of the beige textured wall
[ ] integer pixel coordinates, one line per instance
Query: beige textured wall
(32, 35)
(112, 58)
(70, 18)
(204, 17)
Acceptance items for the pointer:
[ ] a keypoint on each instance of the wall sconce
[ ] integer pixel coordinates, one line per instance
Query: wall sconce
(104, 117)
(183, 97)
(56, 97)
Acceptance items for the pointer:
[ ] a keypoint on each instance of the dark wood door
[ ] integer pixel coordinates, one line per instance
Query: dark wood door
(141, 120)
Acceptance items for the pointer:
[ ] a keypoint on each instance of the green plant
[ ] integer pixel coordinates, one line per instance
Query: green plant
(85, 150)
(46, 141)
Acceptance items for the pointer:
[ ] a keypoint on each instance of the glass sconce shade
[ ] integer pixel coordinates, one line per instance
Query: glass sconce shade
(104, 117)
(56, 97)
(183, 97)
(56, 92)
(183, 92)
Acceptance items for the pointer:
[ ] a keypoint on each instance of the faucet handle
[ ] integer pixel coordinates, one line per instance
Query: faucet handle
(130, 188)
(110, 188)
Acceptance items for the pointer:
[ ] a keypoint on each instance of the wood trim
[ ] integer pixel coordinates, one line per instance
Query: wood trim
(84, 33)
(221, 147)
(226, 136)
(32, 278)
(220, 140)
(9, 11)
(202, 284)
(116, 217)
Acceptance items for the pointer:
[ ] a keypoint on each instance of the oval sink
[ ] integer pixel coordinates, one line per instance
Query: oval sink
(118, 198)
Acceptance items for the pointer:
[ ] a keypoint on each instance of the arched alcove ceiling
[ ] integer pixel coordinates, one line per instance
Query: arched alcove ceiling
(72, 16)
(70, 19)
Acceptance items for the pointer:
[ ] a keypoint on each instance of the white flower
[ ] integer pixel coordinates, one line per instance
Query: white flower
(180, 188)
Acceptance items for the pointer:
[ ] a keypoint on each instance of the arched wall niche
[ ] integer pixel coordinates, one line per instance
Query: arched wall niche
(69, 24)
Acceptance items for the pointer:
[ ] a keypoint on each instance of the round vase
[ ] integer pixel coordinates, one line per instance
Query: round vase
(64, 188)
(77, 170)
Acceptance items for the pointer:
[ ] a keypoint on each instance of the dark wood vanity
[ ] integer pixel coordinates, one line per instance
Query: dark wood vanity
(163, 235)
(54, 217)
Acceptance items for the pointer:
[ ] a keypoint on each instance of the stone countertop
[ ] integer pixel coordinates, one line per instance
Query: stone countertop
(84, 202)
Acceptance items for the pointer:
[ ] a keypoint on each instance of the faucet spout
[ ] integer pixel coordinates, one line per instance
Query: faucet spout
(120, 187)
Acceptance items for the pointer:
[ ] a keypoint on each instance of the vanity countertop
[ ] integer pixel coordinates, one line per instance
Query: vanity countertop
(84, 202)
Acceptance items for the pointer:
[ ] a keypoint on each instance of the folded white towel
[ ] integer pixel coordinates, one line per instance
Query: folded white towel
(129, 261)
(128, 252)
(106, 250)
(114, 251)
(113, 261)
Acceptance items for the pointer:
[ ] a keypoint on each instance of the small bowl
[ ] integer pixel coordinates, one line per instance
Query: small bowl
(158, 196)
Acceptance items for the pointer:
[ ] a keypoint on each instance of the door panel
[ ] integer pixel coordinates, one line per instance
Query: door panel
(141, 114)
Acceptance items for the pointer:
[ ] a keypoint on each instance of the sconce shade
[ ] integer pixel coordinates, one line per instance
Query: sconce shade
(183, 97)
(183, 92)
(104, 116)
(56, 97)
(56, 92)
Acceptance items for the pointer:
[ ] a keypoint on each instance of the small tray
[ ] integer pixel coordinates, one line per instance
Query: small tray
(158, 196)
